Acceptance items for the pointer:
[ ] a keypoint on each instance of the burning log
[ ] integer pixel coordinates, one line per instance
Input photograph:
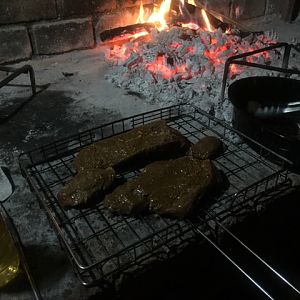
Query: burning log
(225, 21)
(121, 35)
(119, 41)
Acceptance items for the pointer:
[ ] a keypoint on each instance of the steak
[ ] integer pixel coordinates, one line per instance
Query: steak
(208, 147)
(174, 187)
(85, 186)
(133, 149)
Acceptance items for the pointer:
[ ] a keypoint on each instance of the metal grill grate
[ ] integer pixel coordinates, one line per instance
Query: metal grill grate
(102, 246)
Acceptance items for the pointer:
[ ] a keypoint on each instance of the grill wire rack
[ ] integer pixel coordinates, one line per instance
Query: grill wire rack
(102, 247)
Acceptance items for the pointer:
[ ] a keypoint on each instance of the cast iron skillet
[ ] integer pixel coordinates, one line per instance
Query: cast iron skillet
(280, 134)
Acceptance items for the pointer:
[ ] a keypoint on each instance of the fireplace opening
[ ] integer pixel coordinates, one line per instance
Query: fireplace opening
(170, 61)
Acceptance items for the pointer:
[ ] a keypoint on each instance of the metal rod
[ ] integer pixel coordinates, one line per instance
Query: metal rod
(235, 60)
(256, 255)
(286, 56)
(234, 263)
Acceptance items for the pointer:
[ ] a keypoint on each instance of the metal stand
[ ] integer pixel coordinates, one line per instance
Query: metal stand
(239, 60)
(15, 72)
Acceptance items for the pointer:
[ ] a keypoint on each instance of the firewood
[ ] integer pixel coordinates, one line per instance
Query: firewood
(110, 34)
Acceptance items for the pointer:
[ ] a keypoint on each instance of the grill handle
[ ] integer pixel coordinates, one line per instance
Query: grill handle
(261, 263)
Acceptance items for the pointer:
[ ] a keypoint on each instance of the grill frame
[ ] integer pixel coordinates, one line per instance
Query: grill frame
(164, 237)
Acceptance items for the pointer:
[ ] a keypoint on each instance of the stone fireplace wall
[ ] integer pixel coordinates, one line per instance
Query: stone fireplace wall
(43, 27)
(252, 9)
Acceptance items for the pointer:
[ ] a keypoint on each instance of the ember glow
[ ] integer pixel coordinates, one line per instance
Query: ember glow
(190, 25)
(173, 54)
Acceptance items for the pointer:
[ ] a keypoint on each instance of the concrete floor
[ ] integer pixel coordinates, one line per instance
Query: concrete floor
(70, 104)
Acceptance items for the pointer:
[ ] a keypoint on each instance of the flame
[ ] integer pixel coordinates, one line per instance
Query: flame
(159, 15)
(206, 20)
(192, 2)
(141, 18)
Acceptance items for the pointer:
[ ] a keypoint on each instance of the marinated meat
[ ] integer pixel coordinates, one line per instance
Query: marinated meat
(134, 148)
(172, 187)
(207, 148)
(85, 186)
(128, 199)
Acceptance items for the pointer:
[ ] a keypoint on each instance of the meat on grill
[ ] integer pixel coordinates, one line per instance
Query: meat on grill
(208, 147)
(135, 148)
(172, 187)
(85, 186)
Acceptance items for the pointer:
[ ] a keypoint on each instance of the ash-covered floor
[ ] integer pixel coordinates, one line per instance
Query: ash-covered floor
(78, 97)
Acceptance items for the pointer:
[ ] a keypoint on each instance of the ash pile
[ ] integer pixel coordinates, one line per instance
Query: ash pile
(186, 65)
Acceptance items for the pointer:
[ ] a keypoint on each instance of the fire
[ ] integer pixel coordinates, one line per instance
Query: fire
(160, 67)
(159, 16)
(191, 25)
(141, 18)
(168, 58)
(206, 20)
(192, 2)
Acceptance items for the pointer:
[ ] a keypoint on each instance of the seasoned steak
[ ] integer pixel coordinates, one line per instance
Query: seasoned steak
(172, 187)
(134, 148)
(207, 148)
(85, 186)
(128, 199)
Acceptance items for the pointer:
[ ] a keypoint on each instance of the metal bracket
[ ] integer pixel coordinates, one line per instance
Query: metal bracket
(239, 60)
(15, 72)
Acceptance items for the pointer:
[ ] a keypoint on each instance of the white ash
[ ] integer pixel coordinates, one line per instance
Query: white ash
(181, 65)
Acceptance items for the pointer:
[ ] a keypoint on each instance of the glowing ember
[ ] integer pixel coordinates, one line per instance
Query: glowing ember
(171, 55)
(191, 26)
(183, 62)
(140, 34)
(159, 66)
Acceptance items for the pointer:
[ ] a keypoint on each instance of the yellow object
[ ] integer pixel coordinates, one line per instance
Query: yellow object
(9, 257)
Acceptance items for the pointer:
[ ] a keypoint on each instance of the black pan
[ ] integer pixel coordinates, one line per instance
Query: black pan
(280, 133)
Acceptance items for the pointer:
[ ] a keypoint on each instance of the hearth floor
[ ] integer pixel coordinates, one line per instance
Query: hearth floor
(77, 98)
(73, 102)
